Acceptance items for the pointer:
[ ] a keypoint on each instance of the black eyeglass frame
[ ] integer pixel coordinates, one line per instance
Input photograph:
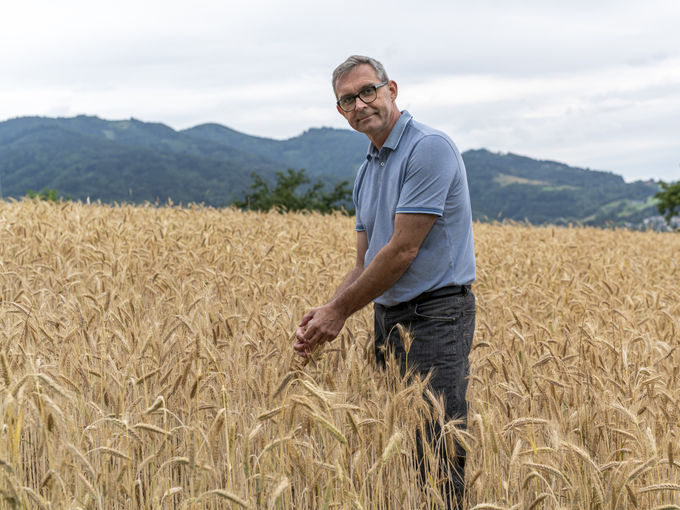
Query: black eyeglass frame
(362, 91)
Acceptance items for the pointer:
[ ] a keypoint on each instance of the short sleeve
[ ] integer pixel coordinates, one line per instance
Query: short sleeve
(431, 168)
(359, 226)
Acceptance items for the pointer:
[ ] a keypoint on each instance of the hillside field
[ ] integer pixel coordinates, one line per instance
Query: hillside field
(146, 362)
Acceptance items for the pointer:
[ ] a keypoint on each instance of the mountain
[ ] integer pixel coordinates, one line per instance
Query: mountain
(122, 161)
(520, 188)
(322, 152)
(135, 161)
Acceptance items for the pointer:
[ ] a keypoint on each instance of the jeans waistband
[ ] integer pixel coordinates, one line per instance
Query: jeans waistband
(449, 290)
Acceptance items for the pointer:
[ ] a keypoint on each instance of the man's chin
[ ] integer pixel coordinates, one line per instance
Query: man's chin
(366, 124)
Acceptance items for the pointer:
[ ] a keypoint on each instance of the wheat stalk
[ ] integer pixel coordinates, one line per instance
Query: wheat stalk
(158, 340)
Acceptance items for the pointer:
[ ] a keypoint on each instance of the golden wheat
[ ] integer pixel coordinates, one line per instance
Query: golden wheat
(146, 362)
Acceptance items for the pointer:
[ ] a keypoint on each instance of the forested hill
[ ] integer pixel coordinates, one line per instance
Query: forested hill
(517, 187)
(135, 161)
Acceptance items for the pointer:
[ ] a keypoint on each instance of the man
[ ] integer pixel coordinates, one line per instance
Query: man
(415, 253)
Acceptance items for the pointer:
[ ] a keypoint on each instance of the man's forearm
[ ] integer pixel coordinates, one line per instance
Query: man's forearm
(383, 272)
(349, 279)
(364, 283)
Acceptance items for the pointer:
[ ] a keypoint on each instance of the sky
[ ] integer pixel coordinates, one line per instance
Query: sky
(594, 84)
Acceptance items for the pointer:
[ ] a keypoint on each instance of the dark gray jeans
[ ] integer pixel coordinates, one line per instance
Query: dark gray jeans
(442, 326)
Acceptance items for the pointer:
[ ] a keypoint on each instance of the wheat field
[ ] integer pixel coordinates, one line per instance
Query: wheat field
(146, 362)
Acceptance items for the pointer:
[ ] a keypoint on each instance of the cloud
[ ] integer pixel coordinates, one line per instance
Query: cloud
(589, 83)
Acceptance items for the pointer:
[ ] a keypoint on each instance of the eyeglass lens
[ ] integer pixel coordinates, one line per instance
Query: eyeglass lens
(367, 95)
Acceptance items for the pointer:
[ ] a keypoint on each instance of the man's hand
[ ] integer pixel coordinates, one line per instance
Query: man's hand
(318, 326)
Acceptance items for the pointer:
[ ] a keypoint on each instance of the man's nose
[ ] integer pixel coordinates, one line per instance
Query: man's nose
(359, 104)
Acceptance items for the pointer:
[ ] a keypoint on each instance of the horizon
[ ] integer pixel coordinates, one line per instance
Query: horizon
(488, 149)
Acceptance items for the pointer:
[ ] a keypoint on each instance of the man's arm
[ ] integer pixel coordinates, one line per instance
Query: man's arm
(362, 247)
(359, 288)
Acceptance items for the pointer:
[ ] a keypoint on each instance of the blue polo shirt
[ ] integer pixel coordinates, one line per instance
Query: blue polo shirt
(418, 170)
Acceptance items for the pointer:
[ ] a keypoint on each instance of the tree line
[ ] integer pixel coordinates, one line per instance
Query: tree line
(294, 191)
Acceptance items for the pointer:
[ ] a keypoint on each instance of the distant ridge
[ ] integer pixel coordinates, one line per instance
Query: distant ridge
(540, 191)
(135, 161)
(321, 151)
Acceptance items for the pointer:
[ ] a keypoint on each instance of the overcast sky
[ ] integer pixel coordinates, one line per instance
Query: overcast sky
(590, 83)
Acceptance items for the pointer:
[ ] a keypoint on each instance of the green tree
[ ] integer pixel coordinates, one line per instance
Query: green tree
(294, 191)
(669, 200)
(48, 195)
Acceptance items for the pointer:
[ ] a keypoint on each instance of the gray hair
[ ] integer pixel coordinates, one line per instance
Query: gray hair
(357, 60)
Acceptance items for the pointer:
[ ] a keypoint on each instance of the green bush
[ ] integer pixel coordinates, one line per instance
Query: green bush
(48, 195)
(293, 191)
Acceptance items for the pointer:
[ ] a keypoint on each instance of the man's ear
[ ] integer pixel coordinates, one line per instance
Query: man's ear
(392, 86)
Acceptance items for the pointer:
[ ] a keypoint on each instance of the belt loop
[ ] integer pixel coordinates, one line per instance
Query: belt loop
(466, 290)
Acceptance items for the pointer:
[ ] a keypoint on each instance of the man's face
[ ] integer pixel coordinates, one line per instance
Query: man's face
(375, 119)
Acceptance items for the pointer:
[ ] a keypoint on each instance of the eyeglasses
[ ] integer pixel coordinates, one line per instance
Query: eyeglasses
(367, 95)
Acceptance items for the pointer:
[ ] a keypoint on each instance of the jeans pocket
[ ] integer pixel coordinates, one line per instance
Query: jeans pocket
(437, 309)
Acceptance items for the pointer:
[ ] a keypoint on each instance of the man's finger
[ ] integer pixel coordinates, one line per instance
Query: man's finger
(317, 339)
(316, 333)
(300, 351)
(300, 334)
(306, 318)
(300, 347)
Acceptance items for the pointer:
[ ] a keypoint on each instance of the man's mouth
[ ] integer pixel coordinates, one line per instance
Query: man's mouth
(365, 117)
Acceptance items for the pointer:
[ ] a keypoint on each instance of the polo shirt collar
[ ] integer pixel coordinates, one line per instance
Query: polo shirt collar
(394, 136)
(398, 130)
